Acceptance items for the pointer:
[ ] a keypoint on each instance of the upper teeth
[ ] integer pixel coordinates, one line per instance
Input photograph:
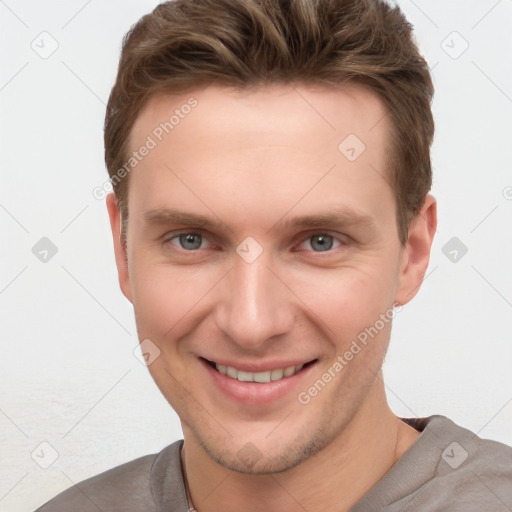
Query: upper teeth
(267, 376)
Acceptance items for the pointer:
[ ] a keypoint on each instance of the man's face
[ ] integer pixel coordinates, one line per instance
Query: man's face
(299, 255)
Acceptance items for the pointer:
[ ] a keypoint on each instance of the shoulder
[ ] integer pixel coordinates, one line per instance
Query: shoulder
(469, 472)
(447, 469)
(130, 486)
(462, 449)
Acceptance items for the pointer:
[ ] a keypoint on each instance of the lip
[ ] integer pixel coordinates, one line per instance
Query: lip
(255, 393)
(259, 366)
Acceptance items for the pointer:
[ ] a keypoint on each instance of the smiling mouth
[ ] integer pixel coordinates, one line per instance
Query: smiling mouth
(259, 377)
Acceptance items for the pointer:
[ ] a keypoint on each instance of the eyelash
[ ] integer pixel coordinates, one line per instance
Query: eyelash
(175, 236)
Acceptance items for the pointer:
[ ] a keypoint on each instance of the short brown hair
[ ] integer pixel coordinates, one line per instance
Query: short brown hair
(183, 44)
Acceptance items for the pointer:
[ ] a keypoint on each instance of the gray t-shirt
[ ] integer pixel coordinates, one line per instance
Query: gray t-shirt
(448, 468)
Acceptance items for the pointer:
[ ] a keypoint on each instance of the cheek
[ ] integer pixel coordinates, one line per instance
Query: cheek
(166, 298)
(348, 300)
(158, 301)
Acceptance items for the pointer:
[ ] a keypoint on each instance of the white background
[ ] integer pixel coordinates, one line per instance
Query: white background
(69, 376)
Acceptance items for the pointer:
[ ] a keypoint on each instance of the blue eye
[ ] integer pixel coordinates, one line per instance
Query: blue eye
(318, 242)
(188, 241)
(321, 242)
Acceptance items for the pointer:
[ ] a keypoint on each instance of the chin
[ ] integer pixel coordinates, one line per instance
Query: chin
(264, 457)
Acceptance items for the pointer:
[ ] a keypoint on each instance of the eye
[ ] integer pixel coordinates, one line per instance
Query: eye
(187, 241)
(320, 242)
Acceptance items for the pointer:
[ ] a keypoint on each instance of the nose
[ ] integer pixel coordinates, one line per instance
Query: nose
(255, 306)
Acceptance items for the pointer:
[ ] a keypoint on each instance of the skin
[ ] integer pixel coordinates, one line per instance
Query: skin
(254, 160)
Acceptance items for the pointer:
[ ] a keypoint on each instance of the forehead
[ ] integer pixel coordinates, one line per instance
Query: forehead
(274, 142)
(265, 111)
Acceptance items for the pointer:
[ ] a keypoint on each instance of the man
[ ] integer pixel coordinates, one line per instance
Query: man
(271, 169)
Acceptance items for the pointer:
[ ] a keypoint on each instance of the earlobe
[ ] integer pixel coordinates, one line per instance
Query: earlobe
(119, 248)
(417, 251)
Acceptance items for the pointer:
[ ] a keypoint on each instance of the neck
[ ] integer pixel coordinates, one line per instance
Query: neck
(333, 479)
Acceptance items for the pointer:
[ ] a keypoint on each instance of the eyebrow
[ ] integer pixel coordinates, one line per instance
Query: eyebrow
(172, 216)
(338, 217)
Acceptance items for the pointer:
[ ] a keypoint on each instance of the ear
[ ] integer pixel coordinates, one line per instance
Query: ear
(119, 248)
(416, 252)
